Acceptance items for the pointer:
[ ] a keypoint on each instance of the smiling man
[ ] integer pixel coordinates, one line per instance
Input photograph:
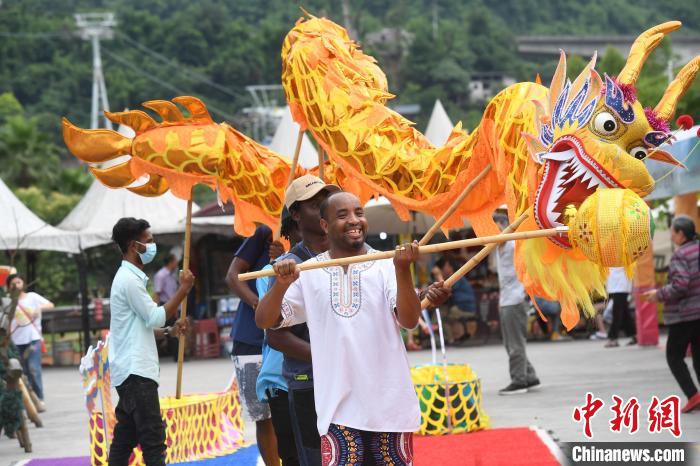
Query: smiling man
(366, 405)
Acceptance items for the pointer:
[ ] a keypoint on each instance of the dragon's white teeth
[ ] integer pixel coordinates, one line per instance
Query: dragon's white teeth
(593, 182)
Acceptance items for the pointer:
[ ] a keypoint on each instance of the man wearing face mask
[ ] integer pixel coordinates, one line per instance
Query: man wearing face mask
(133, 357)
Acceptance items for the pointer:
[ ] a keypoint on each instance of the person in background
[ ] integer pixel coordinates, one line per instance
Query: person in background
(164, 288)
(619, 288)
(681, 298)
(271, 386)
(459, 315)
(132, 353)
(599, 332)
(254, 254)
(26, 333)
(552, 311)
(165, 281)
(513, 314)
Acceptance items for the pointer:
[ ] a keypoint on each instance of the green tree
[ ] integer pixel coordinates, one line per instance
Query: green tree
(27, 156)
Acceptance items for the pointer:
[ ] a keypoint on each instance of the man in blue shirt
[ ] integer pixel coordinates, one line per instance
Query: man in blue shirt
(133, 357)
(253, 255)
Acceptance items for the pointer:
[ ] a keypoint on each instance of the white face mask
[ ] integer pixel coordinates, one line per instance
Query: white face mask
(150, 253)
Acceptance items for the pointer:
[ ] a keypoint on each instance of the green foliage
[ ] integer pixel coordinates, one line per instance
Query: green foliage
(167, 47)
(9, 107)
(27, 156)
(52, 206)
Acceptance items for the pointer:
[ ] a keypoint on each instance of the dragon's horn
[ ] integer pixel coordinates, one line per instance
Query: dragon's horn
(135, 119)
(118, 176)
(198, 111)
(155, 186)
(167, 110)
(642, 47)
(558, 81)
(94, 145)
(666, 107)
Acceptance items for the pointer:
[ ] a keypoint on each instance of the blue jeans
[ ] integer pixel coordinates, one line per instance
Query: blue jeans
(30, 357)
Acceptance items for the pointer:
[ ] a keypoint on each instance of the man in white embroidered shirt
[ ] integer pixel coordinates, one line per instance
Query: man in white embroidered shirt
(133, 357)
(364, 393)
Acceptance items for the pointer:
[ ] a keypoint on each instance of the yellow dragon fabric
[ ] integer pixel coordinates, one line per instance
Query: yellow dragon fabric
(549, 150)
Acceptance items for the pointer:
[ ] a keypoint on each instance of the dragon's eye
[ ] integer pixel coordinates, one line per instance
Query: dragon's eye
(605, 123)
(639, 152)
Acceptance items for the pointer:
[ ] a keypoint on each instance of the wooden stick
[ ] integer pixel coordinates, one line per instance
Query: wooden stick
(431, 248)
(438, 224)
(183, 306)
(321, 162)
(478, 257)
(290, 178)
(29, 406)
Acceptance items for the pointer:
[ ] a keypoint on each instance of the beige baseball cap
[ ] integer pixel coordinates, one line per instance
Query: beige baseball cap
(305, 187)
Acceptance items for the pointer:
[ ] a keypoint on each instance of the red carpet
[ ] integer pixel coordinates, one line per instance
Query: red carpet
(493, 447)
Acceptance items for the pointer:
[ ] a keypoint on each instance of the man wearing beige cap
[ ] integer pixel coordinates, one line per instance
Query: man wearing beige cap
(303, 198)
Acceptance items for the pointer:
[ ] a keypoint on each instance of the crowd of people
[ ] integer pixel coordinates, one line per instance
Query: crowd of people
(318, 403)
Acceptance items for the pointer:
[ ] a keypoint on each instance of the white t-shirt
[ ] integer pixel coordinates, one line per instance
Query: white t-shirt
(24, 330)
(361, 372)
(618, 281)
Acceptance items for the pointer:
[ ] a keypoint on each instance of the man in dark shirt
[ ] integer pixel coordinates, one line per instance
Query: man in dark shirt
(303, 199)
(247, 338)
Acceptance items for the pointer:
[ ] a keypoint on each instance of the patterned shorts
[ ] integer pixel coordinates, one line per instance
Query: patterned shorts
(247, 370)
(347, 446)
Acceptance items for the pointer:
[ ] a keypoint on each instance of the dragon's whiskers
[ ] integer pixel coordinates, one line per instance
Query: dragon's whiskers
(676, 166)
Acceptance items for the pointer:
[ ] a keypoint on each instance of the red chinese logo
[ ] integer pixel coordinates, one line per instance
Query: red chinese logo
(662, 414)
(625, 416)
(586, 412)
(665, 415)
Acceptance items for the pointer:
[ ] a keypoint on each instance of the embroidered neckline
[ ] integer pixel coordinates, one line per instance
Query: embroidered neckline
(346, 288)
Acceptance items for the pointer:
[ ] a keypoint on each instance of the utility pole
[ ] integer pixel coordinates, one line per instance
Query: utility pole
(435, 20)
(347, 22)
(93, 27)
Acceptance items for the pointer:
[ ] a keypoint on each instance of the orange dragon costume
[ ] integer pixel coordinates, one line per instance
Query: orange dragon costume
(550, 150)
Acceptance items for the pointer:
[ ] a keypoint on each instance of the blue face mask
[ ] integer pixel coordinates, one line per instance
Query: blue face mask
(149, 254)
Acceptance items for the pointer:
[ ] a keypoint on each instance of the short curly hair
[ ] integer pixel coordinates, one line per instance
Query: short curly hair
(128, 229)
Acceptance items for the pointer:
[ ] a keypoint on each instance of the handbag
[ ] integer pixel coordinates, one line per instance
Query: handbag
(41, 336)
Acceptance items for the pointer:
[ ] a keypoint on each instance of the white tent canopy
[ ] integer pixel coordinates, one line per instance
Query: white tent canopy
(285, 141)
(439, 125)
(20, 228)
(382, 218)
(101, 207)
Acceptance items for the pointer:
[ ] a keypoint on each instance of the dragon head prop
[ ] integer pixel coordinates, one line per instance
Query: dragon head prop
(593, 133)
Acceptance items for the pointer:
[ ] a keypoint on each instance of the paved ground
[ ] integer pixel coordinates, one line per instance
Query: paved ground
(567, 369)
